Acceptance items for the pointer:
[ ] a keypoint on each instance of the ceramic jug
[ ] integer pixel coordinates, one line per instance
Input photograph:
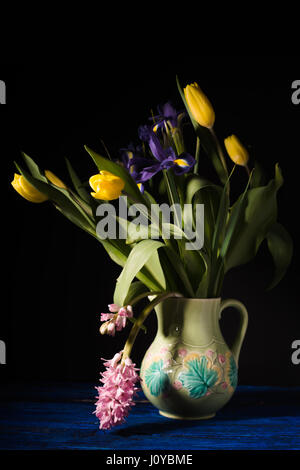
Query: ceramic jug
(189, 372)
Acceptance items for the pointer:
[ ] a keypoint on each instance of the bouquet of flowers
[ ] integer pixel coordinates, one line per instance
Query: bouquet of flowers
(176, 233)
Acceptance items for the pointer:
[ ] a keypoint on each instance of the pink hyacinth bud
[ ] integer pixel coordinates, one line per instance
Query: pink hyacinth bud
(114, 308)
(122, 312)
(111, 329)
(106, 316)
(103, 328)
(120, 322)
(129, 311)
(115, 396)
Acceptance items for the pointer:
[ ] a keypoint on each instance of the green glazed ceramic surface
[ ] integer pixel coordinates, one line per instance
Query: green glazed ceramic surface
(189, 372)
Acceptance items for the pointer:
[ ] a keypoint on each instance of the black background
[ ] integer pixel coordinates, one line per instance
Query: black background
(57, 279)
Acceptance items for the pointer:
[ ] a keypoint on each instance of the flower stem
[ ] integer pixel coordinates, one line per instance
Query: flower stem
(136, 327)
(197, 152)
(219, 149)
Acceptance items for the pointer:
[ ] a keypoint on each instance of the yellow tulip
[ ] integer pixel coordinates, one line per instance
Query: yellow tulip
(26, 190)
(236, 150)
(199, 105)
(106, 186)
(54, 179)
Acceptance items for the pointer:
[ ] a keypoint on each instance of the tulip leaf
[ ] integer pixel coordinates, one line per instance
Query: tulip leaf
(61, 198)
(219, 230)
(195, 266)
(280, 245)
(33, 168)
(75, 220)
(179, 269)
(233, 220)
(258, 178)
(205, 192)
(202, 290)
(195, 184)
(258, 215)
(137, 258)
(118, 170)
(136, 288)
(82, 192)
(209, 196)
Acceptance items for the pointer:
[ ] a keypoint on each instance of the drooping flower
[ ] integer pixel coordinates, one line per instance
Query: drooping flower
(116, 320)
(199, 105)
(106, 186)
(236, 150)
(26, 190)
(115, 396)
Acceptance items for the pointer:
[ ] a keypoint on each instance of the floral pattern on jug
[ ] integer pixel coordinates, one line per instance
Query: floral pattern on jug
(198, 374)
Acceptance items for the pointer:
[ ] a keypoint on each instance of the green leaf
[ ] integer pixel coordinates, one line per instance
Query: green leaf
(137, 258)
(118, 170)
(196, 183)
(195, 267)
(257, 217)
(180, 270)
(209, 196)
(33, 168)
(119, 253)
(221, 221)
(154, 266)
(280, 245)
(61, 198)
(233, 220)
(136, 288)
(82, 192)
(258, 178)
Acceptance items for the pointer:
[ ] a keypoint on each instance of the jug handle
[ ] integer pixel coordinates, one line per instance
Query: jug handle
(243, 323)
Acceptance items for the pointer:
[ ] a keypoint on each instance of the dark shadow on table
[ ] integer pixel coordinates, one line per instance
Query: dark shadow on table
(245, 405)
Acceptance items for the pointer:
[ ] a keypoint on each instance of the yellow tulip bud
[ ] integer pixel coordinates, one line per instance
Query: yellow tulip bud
(54, 179)
(199, 105)
(236, 150)
(26, 190)
(106, 186)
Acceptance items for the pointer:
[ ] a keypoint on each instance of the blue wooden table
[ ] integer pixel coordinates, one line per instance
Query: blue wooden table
(47, 416)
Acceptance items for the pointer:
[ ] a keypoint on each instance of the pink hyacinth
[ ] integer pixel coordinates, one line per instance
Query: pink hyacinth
(115, 397)
(116, 320)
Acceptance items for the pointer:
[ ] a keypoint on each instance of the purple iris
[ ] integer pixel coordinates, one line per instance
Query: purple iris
(166, 158)
(166, 112)
(134, 161)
